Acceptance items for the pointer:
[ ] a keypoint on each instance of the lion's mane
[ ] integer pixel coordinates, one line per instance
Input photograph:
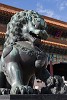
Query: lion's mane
(14, 31)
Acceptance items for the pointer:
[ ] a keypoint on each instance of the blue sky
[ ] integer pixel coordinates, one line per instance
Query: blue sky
(53, 8)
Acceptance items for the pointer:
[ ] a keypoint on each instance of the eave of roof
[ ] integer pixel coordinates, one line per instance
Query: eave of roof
(9, 9)
(55, 22)
(51, 21)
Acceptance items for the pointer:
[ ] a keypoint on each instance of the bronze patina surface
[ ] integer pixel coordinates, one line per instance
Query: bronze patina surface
(23, 56)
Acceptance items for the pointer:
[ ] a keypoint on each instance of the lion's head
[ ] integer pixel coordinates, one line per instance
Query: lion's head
(27, 21)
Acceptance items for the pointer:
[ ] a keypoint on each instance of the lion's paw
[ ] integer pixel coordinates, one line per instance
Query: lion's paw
(4, 91)
(21, 90)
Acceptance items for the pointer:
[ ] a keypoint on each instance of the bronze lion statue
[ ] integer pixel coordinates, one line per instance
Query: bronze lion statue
(23, 54)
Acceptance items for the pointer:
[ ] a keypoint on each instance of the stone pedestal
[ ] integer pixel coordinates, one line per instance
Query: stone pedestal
(33, 97)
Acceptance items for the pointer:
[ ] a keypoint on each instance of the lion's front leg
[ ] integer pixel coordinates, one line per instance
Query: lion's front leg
(3, 83)
(14, 75)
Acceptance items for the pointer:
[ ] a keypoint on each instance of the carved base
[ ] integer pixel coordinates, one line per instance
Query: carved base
(33, 97)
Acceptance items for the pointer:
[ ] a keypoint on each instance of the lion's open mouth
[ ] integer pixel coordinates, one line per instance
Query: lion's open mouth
(34, 35)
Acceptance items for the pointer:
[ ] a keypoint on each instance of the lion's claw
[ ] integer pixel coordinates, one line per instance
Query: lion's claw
(21, 90)
(4, 91)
